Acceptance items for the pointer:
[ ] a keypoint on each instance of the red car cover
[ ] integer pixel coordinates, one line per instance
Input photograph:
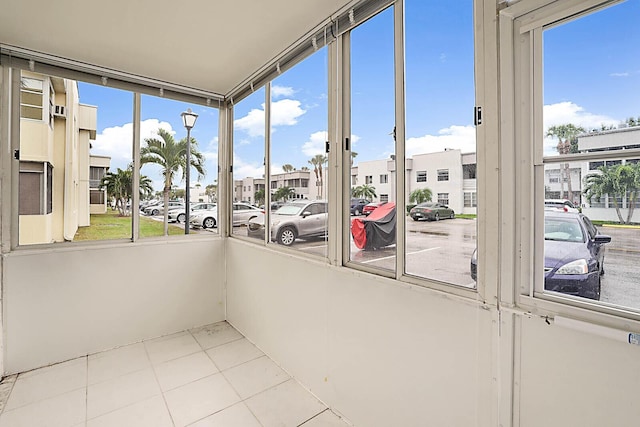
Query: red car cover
(377, 230)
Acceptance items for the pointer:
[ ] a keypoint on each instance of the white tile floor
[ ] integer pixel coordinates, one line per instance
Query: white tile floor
(206, 377)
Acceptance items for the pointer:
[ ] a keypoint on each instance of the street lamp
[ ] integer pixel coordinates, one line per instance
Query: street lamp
(189, 120)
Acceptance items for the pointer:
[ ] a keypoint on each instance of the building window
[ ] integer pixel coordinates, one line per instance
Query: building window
(354, 179)
(554, 176)
(368, 179)
(443, 174)
(384, 179)
(469, 171)
(421, 176)
(35, 188)
(595, 165)
(443, 198)
(470, 199)
(96, 197)
(31, 98)
(95, 176)
(384, 198)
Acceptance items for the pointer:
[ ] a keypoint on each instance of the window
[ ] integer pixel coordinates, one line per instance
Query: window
(595, 128)
(384, 179)
(384, 198)
(470, 200)
(443, 198)
(443, 174)
(354, 179)
(554, 176)
(95, 176)
(421, 176)
(35, 192)
(96, 197)
(31, 98)
(368, 179)
(469, 171)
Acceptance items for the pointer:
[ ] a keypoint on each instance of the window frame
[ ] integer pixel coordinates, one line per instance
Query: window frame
(521, 89)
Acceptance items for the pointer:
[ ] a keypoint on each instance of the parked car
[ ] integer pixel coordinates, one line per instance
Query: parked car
(159, 208)
(177, 214)
(370, 207)
(208, 218)
(299, 219)
(376, 230)
(573, 254)
(431, 211)
(561, 204)
(357, 205)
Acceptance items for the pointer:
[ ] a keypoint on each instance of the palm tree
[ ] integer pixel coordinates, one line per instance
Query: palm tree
(118, 186)
(353, 157)
(171, 156)
(288, 168)
(614, 181)
(318, 162)
(304, 168)
(365, 191)
(568, 133)
(258, 196)
(211, 191)
(420, 195)
(283, 193)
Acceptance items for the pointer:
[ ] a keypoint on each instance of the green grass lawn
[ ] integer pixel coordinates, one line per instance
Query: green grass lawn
(112, 226)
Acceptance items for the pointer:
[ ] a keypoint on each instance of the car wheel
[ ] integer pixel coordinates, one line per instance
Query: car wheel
(209, 223)
(155, 212)
(437, 216)
(286, 236)
(180, 218)
(597, 293)
(453, 215)
(415, 218)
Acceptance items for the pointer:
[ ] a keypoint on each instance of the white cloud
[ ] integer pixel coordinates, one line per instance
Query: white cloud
(281, 91)
(283, 113)
(625, 74)
(244, 169)
(456, 137)
(117, 141)
(315, 145)
(570, 113)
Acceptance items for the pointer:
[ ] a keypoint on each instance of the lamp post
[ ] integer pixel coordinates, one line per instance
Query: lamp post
(189, 120)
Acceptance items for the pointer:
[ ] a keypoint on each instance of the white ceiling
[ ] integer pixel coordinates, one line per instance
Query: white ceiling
(211, 45)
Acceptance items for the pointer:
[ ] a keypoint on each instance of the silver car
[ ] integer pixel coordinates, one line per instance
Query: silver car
(177, 214)
(208, 218)
(300, 219)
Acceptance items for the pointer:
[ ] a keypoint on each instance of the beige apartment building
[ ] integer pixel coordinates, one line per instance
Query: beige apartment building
(56, 191)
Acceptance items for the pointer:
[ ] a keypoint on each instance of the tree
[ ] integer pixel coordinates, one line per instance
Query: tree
(365, 191)
(304, 168)
(118, 186)
(258, 196)
(211, 191)
(420, 195)
(283, 193)
(288, 168)
(171, 156)
(353, 157)
(566, 134)
(618, 182)
(318, 162)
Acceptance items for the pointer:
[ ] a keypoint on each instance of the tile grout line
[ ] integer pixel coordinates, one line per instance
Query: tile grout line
(86, 396)
(155, 375)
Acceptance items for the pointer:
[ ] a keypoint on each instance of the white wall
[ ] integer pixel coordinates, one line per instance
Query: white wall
(572, 378)
(379, 352)
(83, 299)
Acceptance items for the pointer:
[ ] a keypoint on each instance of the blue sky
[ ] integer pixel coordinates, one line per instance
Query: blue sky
(588, 80)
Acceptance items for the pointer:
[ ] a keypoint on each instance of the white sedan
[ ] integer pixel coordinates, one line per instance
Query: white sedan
(177, 214)
(208, 218)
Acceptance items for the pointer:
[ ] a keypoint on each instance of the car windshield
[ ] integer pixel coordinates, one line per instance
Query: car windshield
(563, 230)
(427, 205)
(291, 209)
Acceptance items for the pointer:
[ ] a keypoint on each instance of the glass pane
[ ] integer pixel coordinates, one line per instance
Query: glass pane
(590, 216)
(248, 161)
(299, 170)
(373, 175)
(163, 155)
(440, 141)
(60, 201)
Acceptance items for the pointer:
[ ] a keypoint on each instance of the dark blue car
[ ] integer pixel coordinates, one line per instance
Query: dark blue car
(573, 254)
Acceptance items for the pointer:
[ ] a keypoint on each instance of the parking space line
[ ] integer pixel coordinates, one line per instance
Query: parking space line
(393, 256)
